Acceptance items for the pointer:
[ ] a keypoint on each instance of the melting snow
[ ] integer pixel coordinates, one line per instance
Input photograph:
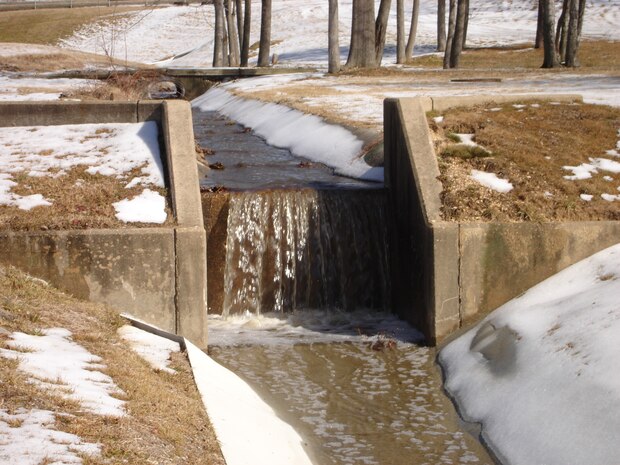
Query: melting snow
(304, 135)
(586, 197)
(154, 349)
(491, 181)
(542, 369)
(148, 207)
(58, 364)
(35, 440)
(585, 170)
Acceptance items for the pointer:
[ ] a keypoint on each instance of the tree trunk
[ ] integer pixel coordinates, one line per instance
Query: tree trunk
(381, 29)
(239, 13)
(551, 57)
(401, 50)
(441, 25)
(459, 34)
(561, 33)
(265, 33)
(233, 38)
(451, 26)
(247, 24)
(466, 26)
(218, 43)
(362, 48)
(413, 29)
(333, 43)
(538, 42)
(572, 42)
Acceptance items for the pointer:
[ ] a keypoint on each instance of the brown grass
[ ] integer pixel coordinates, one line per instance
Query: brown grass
(87, 204)
(166, 424)
(529, 148)
(50, 25)
(119, 86)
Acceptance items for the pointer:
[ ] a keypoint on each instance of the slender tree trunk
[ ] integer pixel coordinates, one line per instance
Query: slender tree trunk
(538, 41)
(239, 13)
(582, 11)
(413, 29)
(572, 42)
(265, 34)
(218, 43)
(441, 25)
(362, 48)
(381, 29)
(466, 26)
(333, 45)
(401, 50)
(451, 27)
(561, 32)
(247, 25)
(551, 57)
(459, 34)
(233, 38)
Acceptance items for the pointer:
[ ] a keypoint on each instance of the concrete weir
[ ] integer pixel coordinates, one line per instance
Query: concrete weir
(446, 274)
(155, 274)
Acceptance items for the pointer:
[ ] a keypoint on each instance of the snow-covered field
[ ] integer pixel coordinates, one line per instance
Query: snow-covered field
(187, 32)
(540, 374)
(106, 149)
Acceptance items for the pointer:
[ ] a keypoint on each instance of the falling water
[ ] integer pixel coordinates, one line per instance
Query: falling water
(294, 249)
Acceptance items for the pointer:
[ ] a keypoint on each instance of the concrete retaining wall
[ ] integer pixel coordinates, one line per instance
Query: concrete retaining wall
(156, 274)
(448, 274)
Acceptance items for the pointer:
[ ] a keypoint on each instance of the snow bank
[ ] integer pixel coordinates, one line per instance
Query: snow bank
(57, 363)
(35, 440)
(491, 181)
(541, 372)
(248, 429)
(304, 135)
(148, 207)
(154, 349)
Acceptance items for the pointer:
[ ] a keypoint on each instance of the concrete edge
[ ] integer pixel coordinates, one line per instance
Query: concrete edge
(144, 326)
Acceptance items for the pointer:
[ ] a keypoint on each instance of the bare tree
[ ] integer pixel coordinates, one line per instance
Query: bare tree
(265, 33)
(548, 14)
(451, 27)
(538, 41)
(561, 31)
(413, 29)
(362, 48)
(218, 44)
(575, 24)
(247, 24)
(455, 45)
(233, 38)
(441, 25)
(239, 15)
(401, 50)
(333, 45)
(381, 29)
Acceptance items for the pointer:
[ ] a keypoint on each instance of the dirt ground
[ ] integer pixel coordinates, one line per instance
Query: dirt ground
(166, 421)
(529, 145)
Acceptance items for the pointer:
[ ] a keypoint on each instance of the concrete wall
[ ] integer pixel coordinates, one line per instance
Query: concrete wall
(156, 274)
(448, 274)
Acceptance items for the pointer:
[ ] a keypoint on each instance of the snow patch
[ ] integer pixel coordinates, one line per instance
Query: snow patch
(491, 181)
(148, 207)
(467, 139)
(585, 170)
(586, 197)
(35, 440)
(542, 369)
(610, 197)
(154, 349)
(58, 364)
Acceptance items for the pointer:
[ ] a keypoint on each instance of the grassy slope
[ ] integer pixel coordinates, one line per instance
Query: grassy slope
(166, 424)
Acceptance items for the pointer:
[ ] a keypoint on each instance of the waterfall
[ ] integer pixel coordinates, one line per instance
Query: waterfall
(293, 249)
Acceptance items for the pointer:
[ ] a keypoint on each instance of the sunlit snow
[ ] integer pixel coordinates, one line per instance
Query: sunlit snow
(154, 349)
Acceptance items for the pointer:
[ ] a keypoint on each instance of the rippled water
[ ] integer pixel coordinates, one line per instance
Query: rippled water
(353, 396)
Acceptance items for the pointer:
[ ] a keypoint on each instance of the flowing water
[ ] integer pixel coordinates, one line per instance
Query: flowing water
(303, 311)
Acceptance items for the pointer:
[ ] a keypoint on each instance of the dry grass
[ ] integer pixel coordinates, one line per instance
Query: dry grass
(529, 148)
(119, 87)
(50, 25)
(166, 424)
(593, 55)
(79, 201)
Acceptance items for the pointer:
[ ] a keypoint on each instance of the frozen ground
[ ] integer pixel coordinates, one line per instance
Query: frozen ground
(154, 349)
(542, 369)
(106, 149)
(187, 32)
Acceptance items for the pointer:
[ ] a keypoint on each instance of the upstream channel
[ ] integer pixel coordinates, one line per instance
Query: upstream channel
(299, 307)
